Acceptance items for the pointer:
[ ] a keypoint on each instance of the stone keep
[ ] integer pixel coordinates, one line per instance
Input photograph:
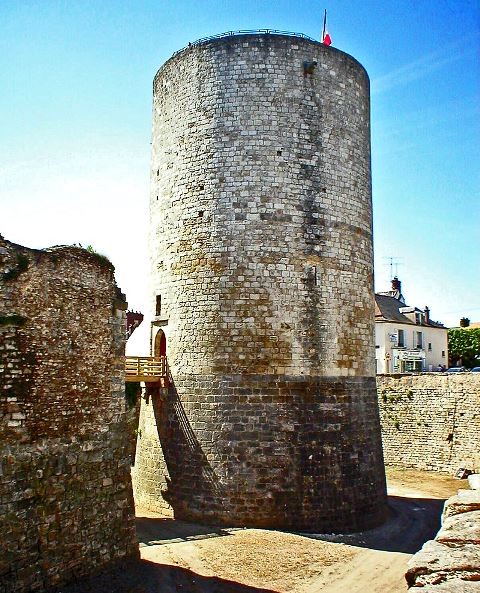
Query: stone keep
(261, 274)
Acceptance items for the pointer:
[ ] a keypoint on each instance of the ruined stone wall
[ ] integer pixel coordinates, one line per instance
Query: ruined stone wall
(66, 505)
(431, 421)
(451, 562)
(261, 254)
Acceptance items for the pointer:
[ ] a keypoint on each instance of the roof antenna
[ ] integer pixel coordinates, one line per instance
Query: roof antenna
(393, 264)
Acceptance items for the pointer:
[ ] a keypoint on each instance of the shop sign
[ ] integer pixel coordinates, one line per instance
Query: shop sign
(410, 354)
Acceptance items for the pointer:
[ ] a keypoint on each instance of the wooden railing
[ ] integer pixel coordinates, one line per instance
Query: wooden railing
(145, 368)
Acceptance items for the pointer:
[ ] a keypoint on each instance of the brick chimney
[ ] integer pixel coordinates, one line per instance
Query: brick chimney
(427, 314)
(397, 285)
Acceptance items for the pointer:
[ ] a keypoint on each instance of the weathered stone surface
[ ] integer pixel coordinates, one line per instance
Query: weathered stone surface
(451, 586)
(463, 502)
(430, 421)
(261, 274)
(66, 505)
(462, 528)
(474, 480)
(437, 561)
(451, 563)
(260, 433)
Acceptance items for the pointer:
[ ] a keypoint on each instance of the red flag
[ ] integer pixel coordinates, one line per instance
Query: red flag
(326, 39)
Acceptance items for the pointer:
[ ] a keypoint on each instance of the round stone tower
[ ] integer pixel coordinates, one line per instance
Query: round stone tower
(262, 289)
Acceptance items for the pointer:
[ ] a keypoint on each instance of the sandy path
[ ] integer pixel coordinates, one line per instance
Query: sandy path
(190, 558)
(373, 561)
(369, 570)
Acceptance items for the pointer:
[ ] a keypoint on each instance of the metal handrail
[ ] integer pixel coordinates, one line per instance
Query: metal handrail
(245, 32)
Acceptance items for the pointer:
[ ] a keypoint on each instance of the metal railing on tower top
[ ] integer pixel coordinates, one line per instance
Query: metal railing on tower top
(245, 32)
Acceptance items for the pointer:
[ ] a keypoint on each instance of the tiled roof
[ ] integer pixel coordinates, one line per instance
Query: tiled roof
(387, 308)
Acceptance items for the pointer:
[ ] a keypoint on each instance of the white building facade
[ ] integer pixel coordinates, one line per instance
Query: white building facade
(406, 339)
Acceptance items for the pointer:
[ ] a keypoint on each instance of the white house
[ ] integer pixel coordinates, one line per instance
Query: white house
(406, 339)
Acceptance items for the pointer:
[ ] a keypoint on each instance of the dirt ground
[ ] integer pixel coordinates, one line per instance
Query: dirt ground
(186, 557)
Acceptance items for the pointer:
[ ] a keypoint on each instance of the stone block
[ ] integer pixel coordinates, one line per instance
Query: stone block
(463, 502)
(450, 586)
(437, 561)
(461, 529)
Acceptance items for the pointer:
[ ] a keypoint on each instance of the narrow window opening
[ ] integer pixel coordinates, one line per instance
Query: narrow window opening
(200, 213)
(430, 346)
(279, 153)
(314, 276)
(158, 305)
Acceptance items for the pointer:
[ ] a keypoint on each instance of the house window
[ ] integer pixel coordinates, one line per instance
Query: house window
(413, 366)
(419, 340)
(430, 346)
(443, 353)
(158, 305)
(401, 339)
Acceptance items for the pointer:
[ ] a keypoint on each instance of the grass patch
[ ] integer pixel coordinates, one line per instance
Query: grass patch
(102, 259)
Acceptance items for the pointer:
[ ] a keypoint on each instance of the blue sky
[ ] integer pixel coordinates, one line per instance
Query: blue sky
(75, 125)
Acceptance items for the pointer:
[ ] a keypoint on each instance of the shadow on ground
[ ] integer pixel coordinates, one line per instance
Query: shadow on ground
(155, 531)
(149, 577)
(411, 523)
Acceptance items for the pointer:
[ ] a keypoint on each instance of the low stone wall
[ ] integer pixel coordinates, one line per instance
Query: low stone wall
(66, 505)
(430, 421)
(451, 562)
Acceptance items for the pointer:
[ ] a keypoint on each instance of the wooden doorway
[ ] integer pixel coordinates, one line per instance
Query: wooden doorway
(160, 346)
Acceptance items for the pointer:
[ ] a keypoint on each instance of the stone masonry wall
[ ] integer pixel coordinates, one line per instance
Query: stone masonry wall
(451, 562)
(430, 421)
(261, 255)
(66, 505)
(260, 209)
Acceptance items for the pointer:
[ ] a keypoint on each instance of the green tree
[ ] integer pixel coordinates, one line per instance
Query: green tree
(464, 343)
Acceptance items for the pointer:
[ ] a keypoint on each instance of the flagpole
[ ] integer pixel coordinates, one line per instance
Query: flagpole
(324, 24)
